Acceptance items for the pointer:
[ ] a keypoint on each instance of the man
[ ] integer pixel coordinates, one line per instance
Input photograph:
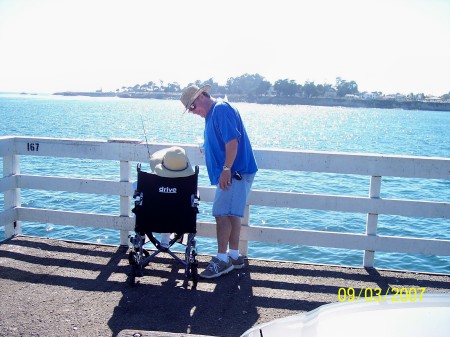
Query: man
(231, 167)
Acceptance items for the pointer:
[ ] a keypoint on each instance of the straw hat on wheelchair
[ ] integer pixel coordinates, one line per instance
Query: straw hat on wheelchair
(171, 162)
(191, 93)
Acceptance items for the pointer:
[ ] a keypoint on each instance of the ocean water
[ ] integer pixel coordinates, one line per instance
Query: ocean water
(357, 130)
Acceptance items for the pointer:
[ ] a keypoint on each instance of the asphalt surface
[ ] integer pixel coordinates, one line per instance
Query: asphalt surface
(57, 288)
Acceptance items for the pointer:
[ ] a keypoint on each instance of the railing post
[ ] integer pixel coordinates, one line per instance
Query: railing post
(12, 199)
(125, 200)
(372, 220)
(243, 244)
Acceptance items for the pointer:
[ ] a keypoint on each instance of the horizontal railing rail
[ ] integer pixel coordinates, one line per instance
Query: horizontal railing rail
(128, 151)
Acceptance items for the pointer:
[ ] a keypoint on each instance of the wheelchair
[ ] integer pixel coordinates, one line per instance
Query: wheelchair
(164, 205)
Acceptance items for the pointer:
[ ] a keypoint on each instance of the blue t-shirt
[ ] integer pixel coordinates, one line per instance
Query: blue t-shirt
(223, 123)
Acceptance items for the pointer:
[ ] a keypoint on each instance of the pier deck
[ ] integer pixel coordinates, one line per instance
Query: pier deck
(57, 288)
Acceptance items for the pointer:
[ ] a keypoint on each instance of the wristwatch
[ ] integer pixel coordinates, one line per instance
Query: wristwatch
(226, 168)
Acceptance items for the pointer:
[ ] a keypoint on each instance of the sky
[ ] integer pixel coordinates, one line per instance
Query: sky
(392, 46)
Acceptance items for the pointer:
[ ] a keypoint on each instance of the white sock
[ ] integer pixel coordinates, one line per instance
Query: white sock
(222, 257)
(234, 253)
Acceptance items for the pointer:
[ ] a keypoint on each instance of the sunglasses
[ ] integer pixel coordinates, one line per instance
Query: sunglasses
(193, 106)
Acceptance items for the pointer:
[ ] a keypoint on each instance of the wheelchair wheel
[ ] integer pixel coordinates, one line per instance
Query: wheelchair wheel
(132, 277)
(138, 270)
(194, 274)
(132, 258)
(136, 262)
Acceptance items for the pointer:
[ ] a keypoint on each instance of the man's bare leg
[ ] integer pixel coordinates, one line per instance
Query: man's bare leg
(235, 232)
(228, 233)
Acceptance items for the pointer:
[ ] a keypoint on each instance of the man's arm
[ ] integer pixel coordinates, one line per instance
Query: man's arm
(230, 155)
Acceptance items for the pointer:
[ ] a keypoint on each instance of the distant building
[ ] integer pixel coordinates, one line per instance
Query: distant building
(370, 95)
(432, 99)
(397, 97)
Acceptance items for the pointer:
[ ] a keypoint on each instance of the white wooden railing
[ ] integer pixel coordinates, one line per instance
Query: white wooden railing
(128, 151)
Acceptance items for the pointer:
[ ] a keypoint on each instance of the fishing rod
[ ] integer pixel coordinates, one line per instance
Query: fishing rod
(145, 135)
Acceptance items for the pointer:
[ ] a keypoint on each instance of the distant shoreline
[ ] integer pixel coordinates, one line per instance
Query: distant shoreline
(286, 100)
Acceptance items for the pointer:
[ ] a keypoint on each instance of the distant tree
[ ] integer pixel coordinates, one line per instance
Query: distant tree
(263, 88)
(172, 87)
(151, 86)
(310, 89)
(246, 84)
(215, 87)
(320, 88)
(446, 96)
(159, 88)
(344, 87)
(286, 87)
(256, 85)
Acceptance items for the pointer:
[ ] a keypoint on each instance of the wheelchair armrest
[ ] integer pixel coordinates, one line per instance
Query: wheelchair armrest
(195, 200)
(138, 198)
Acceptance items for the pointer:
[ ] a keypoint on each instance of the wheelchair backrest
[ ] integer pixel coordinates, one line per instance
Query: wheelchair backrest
(166, 204)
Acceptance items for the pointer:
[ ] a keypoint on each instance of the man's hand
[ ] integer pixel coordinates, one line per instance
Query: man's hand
(225, 180)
